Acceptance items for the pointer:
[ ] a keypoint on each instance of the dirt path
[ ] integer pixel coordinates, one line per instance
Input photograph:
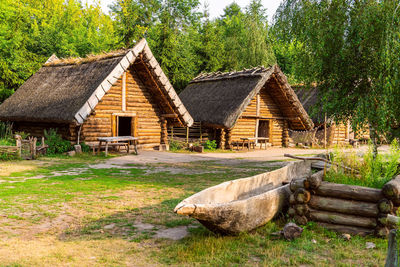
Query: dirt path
(270, 154)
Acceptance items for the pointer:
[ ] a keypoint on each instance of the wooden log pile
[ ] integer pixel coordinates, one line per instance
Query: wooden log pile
(344, 208)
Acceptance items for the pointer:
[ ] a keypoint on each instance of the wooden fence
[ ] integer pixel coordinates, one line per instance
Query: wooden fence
(195, 133)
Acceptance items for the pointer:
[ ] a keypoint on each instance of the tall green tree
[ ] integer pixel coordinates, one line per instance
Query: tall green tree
(246, 37)
(349, 48)
(32, 30)
(17, 63)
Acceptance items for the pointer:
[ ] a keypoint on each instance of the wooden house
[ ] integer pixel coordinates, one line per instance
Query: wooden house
(123, 93)
(336, 133)
(251, 103)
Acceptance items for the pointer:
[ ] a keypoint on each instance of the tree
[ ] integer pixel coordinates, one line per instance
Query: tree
(32, 30)
(348, 48)
(246, 37)
(17, 63)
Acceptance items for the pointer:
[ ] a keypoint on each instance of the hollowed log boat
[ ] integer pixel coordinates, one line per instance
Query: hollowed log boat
(244, 204)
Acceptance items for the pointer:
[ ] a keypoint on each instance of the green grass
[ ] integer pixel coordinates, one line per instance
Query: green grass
(343, 178)
(55, 214)
(261, 248)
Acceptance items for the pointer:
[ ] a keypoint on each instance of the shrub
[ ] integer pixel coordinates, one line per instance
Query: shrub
(56, 144)
(210, 145)
(8, 156)
(175, 145)
(6, 134)
(85, 147)
(23, 135)
(373, 172)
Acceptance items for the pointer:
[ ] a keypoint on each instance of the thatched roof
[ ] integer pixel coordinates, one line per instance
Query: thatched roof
(67, 91)
(310, 99)
(220, 98)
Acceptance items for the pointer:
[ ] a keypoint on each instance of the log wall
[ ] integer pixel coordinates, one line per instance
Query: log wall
(246, 125)
(139, 101)
(343, 208)
(37, 129)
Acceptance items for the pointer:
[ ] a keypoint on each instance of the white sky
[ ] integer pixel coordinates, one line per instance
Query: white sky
(216, 7)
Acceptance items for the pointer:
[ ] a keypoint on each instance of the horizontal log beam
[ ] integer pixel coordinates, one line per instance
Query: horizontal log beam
(343, 219)
(345, 229)
(344, 206)
(352, 192)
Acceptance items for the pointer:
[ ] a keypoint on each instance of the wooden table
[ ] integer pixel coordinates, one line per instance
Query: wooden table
(253, 140)
(118, 139)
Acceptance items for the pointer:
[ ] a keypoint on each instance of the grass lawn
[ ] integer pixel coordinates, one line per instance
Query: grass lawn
(79, 212)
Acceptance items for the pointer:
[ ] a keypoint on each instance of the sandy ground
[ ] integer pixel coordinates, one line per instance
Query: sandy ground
(269, 154)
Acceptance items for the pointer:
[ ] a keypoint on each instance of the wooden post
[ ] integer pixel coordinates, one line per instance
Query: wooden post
(285, 134)
(187, 135)
(114, 126)
(228, 139)
(271, 132)
(18, 139)
(392, 258)
(257, 119)
(325, 131)
(164, 131)
(34, 148)
(201, 134)
(222, 144)
(123, 92)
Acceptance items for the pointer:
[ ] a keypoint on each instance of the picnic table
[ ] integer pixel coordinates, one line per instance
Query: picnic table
(252, 141)
(118, 141)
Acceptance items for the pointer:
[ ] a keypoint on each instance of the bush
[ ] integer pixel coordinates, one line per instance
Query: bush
(85, 147)
(373, 172)
(210, 145)
(175, 145)
(6, 134)
(8, 156)
(56, 144)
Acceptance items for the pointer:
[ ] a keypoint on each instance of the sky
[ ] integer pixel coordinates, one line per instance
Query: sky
(216, 7)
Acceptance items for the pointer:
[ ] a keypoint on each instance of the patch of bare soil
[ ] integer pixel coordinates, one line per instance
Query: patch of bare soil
(175, 233)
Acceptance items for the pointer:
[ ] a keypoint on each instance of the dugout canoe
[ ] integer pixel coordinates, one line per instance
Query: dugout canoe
(244, 204)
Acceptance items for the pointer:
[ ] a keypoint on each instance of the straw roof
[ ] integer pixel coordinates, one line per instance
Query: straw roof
(310, 99)
(68, 90)
(220, 98)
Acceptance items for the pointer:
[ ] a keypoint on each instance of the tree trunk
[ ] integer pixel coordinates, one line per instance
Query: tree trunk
(352, 192)
(344, 206)
(391, 189)
(385, 205)
(343, 219)
(299, 183)
(302, 196)
(392, 258)
(315, 180)
(374, 140)
(353, 230)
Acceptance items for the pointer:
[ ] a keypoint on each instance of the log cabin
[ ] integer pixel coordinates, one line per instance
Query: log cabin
(258, 102)
(123, 93)
(336, 133)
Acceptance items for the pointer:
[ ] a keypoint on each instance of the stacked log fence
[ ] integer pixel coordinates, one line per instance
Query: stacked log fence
(195, 133)
(344, 208)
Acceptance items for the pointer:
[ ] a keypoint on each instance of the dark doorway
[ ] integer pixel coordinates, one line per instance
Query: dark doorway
(263, 129)
(124, 126)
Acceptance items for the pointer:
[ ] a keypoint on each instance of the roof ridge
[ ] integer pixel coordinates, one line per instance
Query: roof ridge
(55, 62)
(259, 70)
